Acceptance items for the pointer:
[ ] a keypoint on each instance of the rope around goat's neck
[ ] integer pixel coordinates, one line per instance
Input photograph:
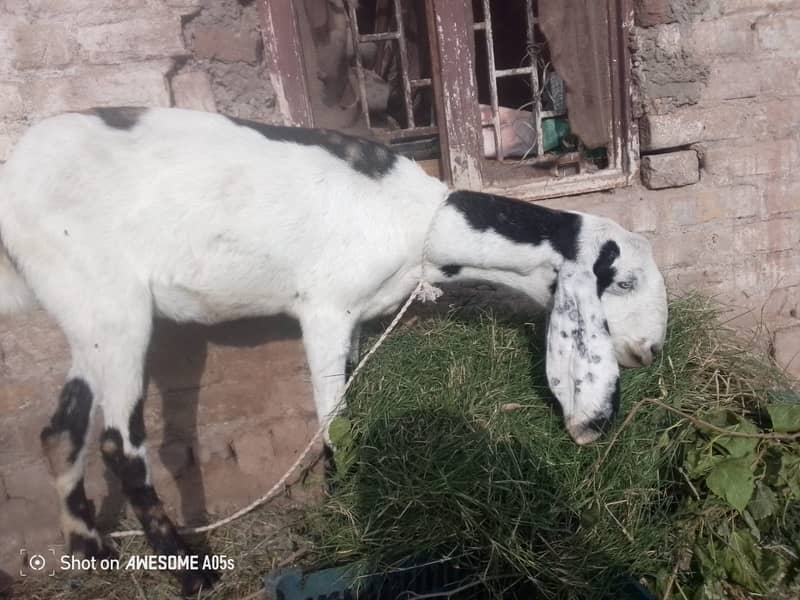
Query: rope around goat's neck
(425, 292)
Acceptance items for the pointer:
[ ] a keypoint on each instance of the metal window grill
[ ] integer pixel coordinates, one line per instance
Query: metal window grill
(409, 85)
(531, 70)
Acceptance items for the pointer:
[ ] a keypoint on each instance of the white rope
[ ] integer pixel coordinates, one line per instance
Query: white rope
(425, 292)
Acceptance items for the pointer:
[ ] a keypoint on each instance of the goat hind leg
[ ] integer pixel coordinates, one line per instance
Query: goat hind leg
(122, 444)
(64, 445)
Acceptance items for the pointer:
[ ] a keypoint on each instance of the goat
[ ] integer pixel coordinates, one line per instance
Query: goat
(113, 216)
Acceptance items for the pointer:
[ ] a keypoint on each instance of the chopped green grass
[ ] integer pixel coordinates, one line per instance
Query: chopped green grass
(452, 448)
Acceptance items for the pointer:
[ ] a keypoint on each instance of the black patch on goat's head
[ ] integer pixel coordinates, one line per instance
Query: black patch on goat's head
(119, 117)
(603, 269)
(451, 270)
(71, 418)
(519, 221)
(368, 158)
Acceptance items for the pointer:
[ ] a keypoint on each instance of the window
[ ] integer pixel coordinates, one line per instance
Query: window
(523, 97)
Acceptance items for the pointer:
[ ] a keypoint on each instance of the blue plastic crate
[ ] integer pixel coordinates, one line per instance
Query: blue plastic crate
(342, 584)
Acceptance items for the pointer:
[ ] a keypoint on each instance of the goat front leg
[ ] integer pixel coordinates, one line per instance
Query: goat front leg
(327, 340)
(123, 448)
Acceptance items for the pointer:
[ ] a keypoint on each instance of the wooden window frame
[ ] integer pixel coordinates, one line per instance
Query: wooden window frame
(456, 101)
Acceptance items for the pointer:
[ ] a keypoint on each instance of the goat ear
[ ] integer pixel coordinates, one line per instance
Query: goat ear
(582, 370)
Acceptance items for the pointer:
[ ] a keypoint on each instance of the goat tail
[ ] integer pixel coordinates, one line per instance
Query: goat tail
(15, 295)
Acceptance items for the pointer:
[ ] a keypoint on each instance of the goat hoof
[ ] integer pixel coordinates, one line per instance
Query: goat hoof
(90, 547)
(194, 581)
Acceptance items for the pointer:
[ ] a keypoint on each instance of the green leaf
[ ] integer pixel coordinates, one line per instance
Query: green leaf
(339, 432)
(763, 503)
(739, 446)
(785, 417)
(741, 559)
(773, 567)
(790, 473)
(732, 480)
(344, 454)
(700, 461)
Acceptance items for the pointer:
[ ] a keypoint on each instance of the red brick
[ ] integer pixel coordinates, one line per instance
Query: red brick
(722, 36)
(704, 245)
(758, 274)
(736, 202)
(727, 161)
(11, 105)
(193, 90)
(653, 12)
(8, 43)
(81, 8)
(779, 33)
(735, 119)
(642, 216)
(751, 78)
(43, 47)
(781, 196)
(767, 236)
(729, 120)
(757, 6)
(157, 36)
(136, 84)
(675, 169)
(710, 279)
(226, 44)
(782, 116)
(660, 132)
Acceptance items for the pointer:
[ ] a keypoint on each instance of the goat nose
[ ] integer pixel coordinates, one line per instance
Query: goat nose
(655, 350)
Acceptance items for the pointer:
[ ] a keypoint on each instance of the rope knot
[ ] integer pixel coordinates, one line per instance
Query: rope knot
(428, 292)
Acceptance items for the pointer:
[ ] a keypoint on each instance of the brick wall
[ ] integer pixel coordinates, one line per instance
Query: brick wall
(719, 110)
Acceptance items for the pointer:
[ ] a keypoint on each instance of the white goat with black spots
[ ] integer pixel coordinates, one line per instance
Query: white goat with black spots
(113, 216)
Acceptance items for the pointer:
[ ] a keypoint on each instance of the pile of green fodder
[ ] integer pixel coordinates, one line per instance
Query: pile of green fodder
(451, 448)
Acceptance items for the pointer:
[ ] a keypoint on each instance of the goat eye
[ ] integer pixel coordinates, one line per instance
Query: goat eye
(625, 285)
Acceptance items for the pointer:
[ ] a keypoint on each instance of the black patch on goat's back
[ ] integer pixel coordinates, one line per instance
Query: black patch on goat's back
(603, 269)
(367, 157)
(71, 416)
(520, 222)
(451, 270)
(119, 117)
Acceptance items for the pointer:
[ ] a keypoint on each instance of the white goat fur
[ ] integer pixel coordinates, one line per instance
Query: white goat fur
(193, 217)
